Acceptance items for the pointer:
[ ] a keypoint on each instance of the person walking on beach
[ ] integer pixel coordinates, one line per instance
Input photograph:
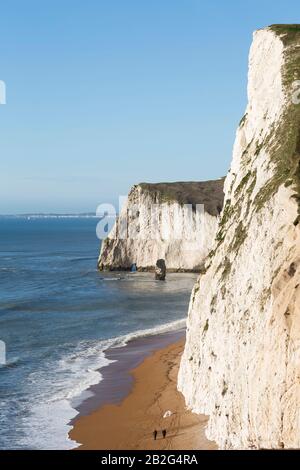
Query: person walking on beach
(164, 433)
(155, 434)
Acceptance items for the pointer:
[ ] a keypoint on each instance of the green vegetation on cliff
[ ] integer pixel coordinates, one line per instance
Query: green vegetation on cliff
(209, 193)
(283, 143)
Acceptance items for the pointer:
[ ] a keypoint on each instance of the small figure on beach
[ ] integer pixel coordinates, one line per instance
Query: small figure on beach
(164, 433)
(155, 434)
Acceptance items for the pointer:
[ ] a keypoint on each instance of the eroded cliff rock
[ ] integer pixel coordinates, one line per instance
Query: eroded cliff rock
(173, 221)
(241, 364)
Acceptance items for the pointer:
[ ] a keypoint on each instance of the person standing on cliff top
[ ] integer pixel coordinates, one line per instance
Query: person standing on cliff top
(155, 434)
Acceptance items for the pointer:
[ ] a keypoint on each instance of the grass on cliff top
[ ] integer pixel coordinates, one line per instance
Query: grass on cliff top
(288, 33)
(209, 193)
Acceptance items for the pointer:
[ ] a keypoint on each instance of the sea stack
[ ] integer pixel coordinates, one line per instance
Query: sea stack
(160, 270)
(241, 364)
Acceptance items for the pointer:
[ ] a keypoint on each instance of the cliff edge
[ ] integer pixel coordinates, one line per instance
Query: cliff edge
(241, 364)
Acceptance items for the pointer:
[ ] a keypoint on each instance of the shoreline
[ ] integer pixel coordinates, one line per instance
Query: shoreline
(148, 269)
(130, 401)
(116, 378)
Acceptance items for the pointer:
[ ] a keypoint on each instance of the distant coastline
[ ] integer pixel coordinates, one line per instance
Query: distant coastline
(82, 215)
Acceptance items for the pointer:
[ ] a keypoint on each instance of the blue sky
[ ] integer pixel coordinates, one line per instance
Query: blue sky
(104, 94)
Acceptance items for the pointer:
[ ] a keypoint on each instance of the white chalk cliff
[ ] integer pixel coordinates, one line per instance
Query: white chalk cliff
(241, 364)
(163, 221)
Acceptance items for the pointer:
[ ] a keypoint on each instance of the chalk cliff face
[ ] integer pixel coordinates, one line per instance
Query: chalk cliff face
(163, 221)
(241, 364)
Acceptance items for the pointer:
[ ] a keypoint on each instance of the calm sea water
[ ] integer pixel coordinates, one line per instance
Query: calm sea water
(57, 316)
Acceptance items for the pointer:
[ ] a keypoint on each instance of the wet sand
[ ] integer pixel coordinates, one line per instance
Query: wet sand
(128, 423)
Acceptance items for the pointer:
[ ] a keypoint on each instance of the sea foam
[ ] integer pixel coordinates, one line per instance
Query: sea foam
(50, 417)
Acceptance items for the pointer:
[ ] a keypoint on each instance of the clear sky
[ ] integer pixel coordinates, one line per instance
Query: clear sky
(102, 94)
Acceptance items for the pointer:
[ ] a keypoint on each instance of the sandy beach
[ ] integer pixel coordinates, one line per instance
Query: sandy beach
(130, 424)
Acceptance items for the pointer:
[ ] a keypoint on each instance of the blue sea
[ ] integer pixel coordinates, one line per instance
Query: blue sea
(58, 315)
